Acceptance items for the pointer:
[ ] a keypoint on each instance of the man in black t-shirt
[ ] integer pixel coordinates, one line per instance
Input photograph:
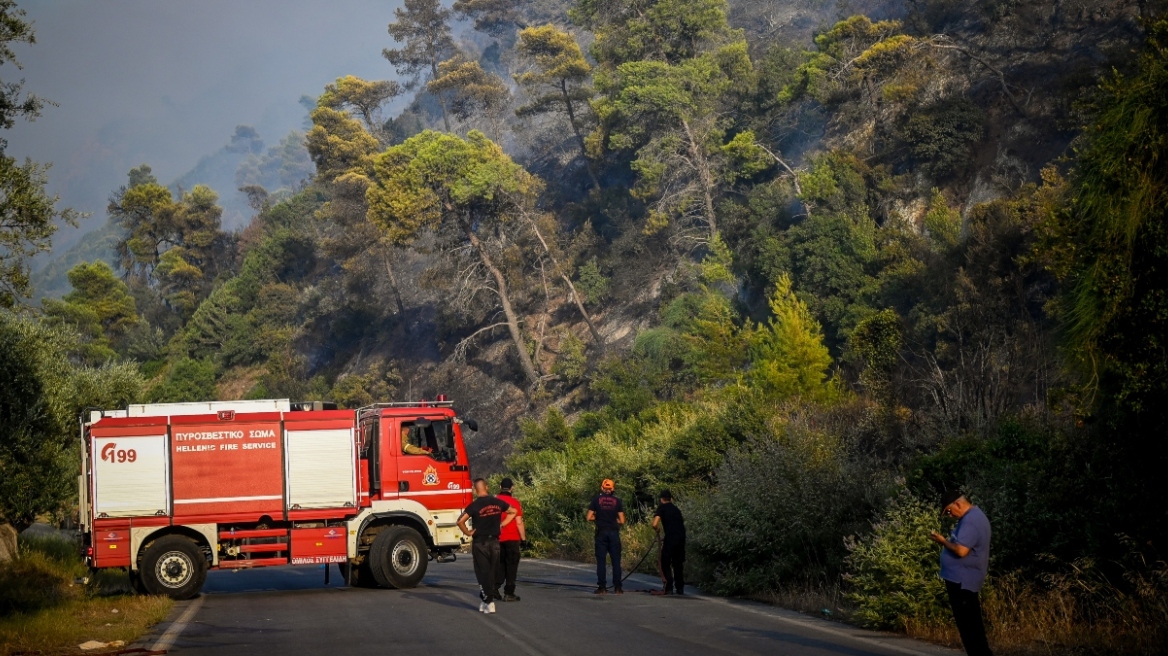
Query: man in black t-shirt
(673, 544)
(608, 511)
(489, 515)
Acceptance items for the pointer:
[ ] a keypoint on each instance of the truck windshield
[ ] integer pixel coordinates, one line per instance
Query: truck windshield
(437, 438)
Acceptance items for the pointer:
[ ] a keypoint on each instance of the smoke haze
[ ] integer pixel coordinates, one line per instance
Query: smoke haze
(165, 83)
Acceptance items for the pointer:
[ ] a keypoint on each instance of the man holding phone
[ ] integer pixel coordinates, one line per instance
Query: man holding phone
(965, 561)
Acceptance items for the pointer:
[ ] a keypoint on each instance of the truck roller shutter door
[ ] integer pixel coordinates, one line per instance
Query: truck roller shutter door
(320, 468)
(130, 476)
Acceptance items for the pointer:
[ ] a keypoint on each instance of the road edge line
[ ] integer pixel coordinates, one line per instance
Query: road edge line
(168, 638)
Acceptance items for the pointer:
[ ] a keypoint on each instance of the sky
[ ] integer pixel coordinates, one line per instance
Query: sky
(165, 82)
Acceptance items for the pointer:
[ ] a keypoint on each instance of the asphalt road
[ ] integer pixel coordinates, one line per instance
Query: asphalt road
(290, 611)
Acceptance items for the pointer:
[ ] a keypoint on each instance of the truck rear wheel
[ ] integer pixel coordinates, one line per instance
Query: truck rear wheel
(173, 566)
(398, 557)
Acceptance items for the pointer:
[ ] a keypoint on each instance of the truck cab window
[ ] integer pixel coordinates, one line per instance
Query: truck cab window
(435, 441)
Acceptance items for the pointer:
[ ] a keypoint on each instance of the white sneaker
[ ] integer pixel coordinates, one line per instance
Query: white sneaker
(491, 607)
(483, 607)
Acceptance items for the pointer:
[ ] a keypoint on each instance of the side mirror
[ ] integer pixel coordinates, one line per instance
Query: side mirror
(471, 424)
(422, 422)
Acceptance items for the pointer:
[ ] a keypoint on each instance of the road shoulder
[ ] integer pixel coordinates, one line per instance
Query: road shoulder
(889, 641)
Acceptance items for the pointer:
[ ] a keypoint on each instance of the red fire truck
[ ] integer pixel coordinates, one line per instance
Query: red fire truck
(170, 490)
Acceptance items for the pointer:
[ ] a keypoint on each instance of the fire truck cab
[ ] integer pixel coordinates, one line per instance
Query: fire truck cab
(171, 490)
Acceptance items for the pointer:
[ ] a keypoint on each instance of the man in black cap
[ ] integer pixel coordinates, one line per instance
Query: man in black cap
(965, 560)
(607, 511)
(511, 538)
(673, 544)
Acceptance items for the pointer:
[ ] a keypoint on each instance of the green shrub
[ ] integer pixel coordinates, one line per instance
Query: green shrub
(942, 223)
(558, 472)
(1029, 480)
(939, 136)
(187, 380)
(572, 363)
(37, 433)
(379, 383)
(552, 433)
(893, 572)
(777, 516)
(591, 283)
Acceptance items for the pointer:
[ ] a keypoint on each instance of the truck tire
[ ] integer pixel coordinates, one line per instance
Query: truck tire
(174, 566)
(398, 557)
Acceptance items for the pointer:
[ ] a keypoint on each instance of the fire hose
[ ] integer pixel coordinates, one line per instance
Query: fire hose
(656, 544)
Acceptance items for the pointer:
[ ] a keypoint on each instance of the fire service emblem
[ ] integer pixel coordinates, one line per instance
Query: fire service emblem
(430, 476)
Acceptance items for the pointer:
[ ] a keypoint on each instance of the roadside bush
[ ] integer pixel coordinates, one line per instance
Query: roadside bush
(558, 472)
(776, 518)
(893, 572)
(1028, 479)
(36, 414)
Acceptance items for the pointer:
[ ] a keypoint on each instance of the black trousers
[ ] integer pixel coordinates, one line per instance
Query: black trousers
(508, 566)
(608, 544)
(967, 614)
(485, 554)
(673, 566)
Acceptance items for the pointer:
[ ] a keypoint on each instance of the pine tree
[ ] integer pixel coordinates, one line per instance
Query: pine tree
(423, 29)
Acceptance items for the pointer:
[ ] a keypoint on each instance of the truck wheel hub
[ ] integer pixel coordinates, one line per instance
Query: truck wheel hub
(405, 558)
(174, 569)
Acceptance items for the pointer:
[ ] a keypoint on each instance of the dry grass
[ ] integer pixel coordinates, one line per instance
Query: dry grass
(237, 382)
(58, 630)
(44, 610)
(823, 601)
(1075, 614)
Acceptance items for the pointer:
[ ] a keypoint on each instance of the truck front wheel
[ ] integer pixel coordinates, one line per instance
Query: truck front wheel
(398, 557)
(173, 566)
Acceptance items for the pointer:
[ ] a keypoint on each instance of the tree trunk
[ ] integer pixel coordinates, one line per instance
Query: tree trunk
(579, 137)
(571, 287)
(505, 299)
(401, 308)
(705, 175)
(441, 99)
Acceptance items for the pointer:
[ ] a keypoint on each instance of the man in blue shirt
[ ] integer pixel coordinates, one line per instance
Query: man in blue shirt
(965, 561)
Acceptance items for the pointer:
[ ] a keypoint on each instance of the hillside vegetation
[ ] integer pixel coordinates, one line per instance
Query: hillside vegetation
(807, 269)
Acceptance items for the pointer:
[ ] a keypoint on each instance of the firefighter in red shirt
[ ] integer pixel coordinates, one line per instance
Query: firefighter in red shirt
(511, 538)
